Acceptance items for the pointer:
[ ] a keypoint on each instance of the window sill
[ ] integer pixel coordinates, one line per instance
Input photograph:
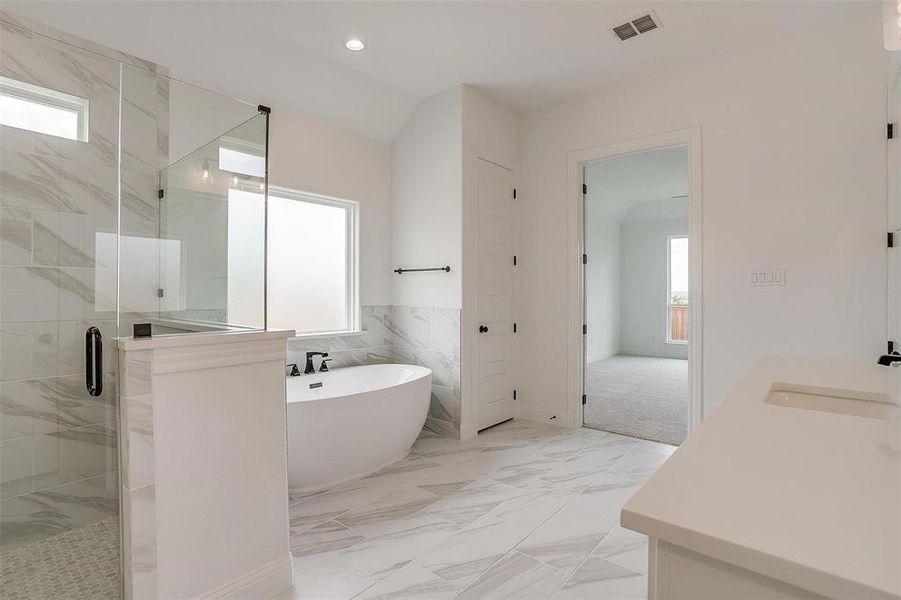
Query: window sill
(327, 334)
(677, 342)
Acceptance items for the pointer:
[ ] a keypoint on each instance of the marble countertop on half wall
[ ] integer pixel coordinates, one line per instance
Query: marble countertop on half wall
(194, 339)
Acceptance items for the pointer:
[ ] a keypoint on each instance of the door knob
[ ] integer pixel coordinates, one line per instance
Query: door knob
(483, 329)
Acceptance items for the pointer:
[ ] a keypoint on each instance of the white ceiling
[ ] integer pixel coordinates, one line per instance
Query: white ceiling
(290, 54)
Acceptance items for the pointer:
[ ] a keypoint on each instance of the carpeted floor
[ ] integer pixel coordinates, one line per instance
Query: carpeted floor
(638, 396)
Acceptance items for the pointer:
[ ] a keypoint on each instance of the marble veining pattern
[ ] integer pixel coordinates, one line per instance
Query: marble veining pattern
(59, 478)
(427, 336)
(525, 510)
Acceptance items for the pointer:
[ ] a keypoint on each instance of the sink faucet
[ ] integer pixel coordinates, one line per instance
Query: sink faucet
(294, 370)
(889, 359)
(308, 368)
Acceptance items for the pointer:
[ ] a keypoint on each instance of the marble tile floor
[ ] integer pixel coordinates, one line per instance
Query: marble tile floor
(523, 511)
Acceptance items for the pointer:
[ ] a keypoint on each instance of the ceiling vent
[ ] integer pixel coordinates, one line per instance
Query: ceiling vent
(637, 26)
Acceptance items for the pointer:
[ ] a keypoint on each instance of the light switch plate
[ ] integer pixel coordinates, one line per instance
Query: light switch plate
(768, 278)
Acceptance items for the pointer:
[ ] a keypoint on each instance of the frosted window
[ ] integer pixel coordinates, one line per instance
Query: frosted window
(42, 110)
(239, 156)
(312, 263)
(246, 216)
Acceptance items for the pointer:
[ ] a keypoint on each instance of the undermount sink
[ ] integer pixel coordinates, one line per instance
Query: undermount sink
(843, 402)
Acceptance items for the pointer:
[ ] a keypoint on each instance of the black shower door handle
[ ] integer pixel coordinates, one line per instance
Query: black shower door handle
(93, 361)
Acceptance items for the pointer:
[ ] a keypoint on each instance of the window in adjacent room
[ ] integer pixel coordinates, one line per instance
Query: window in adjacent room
(677, 290)
(313, 263)
(42, 110)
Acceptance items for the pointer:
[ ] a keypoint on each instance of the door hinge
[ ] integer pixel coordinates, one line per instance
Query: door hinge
(584, 259)
(584, 188)
(584, 328)
(161, 193)
(160, 293)
(890, 239)
(514, 394)
(514, 260)
(584, 399)
(514, 327)
(514, 193)
(890, 131)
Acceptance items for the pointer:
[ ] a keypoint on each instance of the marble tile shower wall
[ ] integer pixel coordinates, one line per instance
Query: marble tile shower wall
(426, 336)
(59, 209)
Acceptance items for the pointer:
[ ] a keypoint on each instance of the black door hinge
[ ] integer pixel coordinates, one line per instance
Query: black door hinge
(890, 238)
(514, 394)
(584, 188)
(514, 327)
(160, 193)
(584, 328)
(263, 109)
(890, 131)
(584, 399)
(514, 260)
(584, 259)
(514, 193)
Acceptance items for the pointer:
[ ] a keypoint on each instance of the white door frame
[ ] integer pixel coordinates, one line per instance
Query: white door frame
(575, 350)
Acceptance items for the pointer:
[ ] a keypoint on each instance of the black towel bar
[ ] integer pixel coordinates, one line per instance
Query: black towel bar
(402, 271)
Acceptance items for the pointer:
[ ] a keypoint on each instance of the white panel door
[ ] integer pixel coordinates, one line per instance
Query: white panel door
(495, 241)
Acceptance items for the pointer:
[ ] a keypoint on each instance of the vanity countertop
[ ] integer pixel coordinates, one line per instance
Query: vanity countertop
(806, 497)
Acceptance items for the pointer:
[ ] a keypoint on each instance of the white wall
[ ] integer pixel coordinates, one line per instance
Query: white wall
(197, 116)
(426, 224)
(644, 299)
(308, 155)
(794, 173)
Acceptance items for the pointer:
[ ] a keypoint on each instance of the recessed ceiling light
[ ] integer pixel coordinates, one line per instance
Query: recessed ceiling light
(354, 44)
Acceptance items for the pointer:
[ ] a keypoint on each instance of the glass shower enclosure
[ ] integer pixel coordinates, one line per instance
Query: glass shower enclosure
(125, 197)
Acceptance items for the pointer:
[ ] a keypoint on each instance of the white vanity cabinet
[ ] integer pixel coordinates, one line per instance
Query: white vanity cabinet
(791, 489)
(677, 573)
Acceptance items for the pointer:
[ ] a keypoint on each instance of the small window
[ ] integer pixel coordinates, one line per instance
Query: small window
(42, 110)
(312, 263)
(241, 156)
(677, 290)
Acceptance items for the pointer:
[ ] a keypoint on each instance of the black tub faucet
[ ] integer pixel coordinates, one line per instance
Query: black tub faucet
(308, 368)
(888, 359)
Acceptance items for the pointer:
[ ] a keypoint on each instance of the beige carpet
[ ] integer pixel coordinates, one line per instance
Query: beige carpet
(638, 396)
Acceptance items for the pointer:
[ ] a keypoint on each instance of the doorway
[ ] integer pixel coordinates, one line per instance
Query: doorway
(636, 294)
(635, 223)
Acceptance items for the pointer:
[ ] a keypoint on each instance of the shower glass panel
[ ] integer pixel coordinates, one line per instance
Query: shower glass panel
(125, 197)
(59, 203)
(192, 245)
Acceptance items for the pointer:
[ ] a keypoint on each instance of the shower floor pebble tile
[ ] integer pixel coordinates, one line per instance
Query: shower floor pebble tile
(525, 510)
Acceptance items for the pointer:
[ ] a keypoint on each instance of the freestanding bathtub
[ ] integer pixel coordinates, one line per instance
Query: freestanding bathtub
(350, 422)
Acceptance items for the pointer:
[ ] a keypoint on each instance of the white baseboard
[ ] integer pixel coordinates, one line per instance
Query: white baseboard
(267, 581)
(467, 432)
(678, 352)
(541, 415)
